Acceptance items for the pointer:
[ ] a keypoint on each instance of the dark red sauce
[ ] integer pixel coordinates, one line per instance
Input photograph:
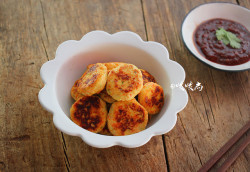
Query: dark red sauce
(215, 50)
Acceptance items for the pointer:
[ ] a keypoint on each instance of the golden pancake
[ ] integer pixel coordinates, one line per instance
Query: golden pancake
(109, 65)
(93, 80)
(124, 82)
(127, 117)
(90, 113)
(151, 97)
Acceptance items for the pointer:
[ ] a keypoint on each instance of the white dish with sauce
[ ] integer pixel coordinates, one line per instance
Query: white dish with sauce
(210, 11)
(72, 58)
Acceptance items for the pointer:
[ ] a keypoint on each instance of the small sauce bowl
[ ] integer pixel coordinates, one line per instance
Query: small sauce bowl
(209, 11)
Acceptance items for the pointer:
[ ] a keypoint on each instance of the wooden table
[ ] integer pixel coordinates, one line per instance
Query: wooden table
(31, 30)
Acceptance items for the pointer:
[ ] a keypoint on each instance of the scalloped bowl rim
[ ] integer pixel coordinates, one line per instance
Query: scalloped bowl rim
(47, 95)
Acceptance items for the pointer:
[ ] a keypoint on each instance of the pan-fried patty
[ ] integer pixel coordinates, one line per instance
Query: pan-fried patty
(90, 113)
(112, 65)
(127, 117)
(105, 96)
(147, 77)
(109, 65)
(93, 80)
(124, 82)
(151, 97)
(74, 93)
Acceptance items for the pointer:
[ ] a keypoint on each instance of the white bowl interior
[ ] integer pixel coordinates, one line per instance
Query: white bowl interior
(210, 11)
(74, 67)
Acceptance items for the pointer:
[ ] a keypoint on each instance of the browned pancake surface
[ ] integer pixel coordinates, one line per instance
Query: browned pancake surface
(93, 80)
(127, 117)
(90, 113)
(151, 97)
(124, 82)
(147, 77)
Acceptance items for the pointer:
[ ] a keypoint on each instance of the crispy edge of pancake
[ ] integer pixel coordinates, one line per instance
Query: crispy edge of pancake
(74, 92)
(109, 65)
(151, 97)
(93, 81)
(105, 96)
(105, 131)
(147, 77)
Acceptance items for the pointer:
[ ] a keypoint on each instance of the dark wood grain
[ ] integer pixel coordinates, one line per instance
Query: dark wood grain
(30, 34)
(213, 115)
(110, 16)
(225, 148)
(28, 138)
(244, 3)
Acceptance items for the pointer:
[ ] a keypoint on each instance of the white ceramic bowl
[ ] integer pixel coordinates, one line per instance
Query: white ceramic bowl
(72, 58)
(209, 11)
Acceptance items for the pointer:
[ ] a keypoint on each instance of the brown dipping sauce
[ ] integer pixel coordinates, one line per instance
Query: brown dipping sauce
(215, 50)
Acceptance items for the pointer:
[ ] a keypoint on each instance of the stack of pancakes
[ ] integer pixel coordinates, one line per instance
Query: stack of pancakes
(105, 100)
